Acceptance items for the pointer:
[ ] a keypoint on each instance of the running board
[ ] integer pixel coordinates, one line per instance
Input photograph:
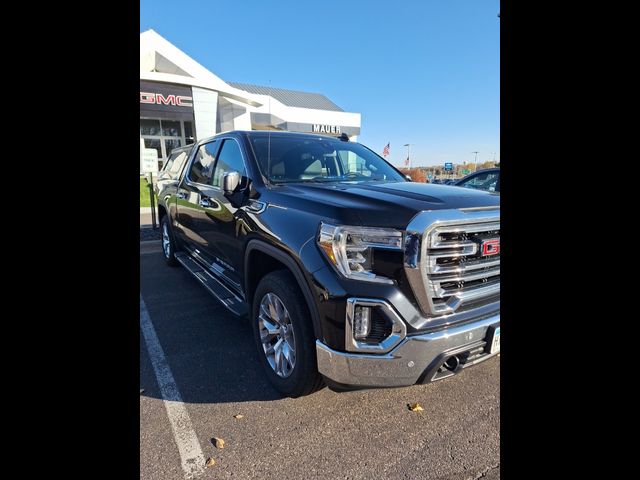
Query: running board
(225, 296)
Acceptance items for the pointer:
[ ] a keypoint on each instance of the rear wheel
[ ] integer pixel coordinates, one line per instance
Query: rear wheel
(284, 335)
(168, 242)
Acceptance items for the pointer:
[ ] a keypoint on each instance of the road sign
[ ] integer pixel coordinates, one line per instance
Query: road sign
(430, 176)
(465, 172)
(448, 166)
(149, 160)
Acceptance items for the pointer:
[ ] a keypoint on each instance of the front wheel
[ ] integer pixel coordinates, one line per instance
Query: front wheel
(284, 335)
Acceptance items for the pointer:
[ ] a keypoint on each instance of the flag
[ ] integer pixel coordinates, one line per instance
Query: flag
(406, 162)
(385, 152)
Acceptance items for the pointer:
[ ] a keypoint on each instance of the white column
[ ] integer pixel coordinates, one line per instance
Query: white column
(243, 121)
(205, 111)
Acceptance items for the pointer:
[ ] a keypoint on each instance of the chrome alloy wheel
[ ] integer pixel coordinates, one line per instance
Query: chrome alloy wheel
(166, 243)
(276, 335)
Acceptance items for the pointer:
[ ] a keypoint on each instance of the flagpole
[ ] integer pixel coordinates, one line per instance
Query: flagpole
(408, 145)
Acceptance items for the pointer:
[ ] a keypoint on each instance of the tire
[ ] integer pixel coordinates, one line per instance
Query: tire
(302, 378)
(168, 249)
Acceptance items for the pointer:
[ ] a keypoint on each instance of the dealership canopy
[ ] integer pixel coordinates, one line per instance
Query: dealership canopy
(181, 102)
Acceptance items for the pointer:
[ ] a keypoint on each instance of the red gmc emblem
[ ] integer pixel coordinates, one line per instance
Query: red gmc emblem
(490, 247)
(160, 99)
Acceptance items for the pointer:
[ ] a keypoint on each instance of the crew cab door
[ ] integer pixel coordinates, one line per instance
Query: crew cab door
(218, 227)
(193, 196)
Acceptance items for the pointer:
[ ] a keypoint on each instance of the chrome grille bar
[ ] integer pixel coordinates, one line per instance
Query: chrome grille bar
(444, 259)
(438, 279)
(460, 268)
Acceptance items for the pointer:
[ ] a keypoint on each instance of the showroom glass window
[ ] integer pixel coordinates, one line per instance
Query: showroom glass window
(165, 135)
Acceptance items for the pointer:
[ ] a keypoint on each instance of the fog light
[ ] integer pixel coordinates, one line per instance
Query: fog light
(361, 322)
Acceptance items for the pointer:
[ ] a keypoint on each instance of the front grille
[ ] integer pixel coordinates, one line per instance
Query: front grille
(452, 259)
(455, 267)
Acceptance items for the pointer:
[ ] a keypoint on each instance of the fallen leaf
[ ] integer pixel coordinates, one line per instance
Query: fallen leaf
(218, 442)
(210, 462)
(415, 407)
(238, 416)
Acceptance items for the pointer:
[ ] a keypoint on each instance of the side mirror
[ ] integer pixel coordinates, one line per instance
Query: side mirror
(408, 177)
(230, 182)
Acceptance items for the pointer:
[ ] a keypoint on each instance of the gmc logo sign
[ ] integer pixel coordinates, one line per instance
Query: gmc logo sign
(490, 247)
(160, 99)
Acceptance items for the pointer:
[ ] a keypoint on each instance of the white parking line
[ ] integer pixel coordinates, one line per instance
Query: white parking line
(190, 452)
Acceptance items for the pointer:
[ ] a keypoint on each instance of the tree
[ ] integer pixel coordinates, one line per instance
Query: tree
(416, 174)
(488, 164)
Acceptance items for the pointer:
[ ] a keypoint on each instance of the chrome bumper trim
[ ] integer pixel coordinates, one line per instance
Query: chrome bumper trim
(405, 364)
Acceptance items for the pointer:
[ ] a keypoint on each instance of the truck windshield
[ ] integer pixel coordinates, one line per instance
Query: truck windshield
(319, 159)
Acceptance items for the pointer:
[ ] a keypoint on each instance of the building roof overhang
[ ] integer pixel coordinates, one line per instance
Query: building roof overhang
(160, 61)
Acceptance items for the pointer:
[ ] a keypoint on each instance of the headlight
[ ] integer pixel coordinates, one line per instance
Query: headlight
(350, 249)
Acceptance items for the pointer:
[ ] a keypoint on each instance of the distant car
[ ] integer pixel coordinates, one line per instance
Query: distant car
(487, 179)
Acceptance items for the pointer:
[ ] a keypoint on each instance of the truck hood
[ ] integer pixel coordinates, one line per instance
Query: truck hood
(378, 204)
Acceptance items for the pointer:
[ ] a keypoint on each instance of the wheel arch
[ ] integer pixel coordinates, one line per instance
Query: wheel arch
(275, 258)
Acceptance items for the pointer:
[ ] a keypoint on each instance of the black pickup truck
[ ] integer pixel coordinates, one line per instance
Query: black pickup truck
(350, 275)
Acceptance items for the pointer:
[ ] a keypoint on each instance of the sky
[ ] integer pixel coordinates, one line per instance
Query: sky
(424, 72)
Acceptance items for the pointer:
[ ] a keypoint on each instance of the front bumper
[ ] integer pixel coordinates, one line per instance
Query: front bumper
(416, 359)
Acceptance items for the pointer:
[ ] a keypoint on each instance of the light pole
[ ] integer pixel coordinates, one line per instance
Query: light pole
(476, 162)
(494, 159)
(408, 145)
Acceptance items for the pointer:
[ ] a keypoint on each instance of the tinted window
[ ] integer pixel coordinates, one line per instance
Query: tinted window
(483, 181)
(202, 166)
(229, 160)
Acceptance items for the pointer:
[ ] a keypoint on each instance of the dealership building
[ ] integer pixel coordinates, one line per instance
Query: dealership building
(182, 102)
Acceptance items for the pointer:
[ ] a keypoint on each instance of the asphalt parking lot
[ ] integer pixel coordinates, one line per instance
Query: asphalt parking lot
(205, 363)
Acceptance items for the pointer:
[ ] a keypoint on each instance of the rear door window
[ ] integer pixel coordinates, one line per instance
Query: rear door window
(174, 163)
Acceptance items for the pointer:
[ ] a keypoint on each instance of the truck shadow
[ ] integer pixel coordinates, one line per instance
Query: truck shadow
(211, 353)
(225, 369)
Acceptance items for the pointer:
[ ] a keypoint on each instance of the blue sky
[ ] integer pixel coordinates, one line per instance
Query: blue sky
(425, 72)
